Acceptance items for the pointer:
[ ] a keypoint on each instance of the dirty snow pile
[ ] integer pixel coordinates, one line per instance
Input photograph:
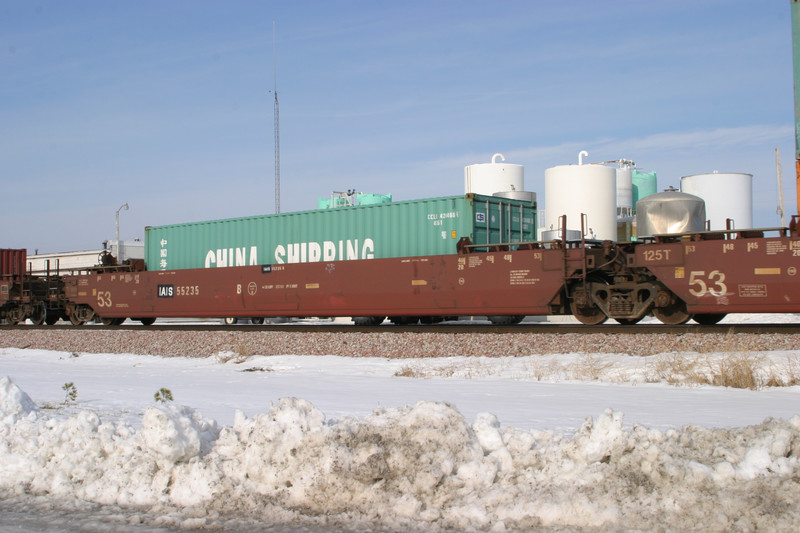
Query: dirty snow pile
(422, 467)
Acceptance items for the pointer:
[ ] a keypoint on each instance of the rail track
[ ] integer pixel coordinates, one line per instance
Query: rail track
(461, 328)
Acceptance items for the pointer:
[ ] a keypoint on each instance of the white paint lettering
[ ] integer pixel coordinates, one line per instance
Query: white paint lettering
(224, 257)
(328, 251)
(368, 249)
(352, 249)
(293, 253)
(313, 252)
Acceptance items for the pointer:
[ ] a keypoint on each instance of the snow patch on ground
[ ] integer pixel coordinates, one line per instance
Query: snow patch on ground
(419, 467)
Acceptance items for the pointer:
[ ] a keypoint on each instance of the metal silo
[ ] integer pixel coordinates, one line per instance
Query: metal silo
(574, 190)
(669, 212)
(644, 184)
(494, 177)
(727, 195)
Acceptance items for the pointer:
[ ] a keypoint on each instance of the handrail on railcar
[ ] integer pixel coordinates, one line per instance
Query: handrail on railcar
(710, 235)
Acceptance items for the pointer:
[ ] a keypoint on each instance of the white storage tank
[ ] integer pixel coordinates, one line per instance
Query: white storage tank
(625, 189)
(727, 195)
(573, 190)
(490, 178)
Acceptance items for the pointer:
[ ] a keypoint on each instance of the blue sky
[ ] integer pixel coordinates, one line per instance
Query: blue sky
(166, 105)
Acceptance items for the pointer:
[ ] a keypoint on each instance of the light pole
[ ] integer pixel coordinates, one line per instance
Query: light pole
(125, 207)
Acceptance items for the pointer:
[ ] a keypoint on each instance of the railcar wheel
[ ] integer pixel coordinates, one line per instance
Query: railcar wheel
(404, 320)
(505, 320)
(674, 314)
(81, 314)
(230, 320)
(258, 320)
(628, 321)
(39, 315)
(368, 320)
(116, 321)
(591, 316)
(52, 317)
(708, 319)
(14, 317)
(146, 321)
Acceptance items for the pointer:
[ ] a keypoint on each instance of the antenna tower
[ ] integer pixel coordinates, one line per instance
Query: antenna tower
(277, 125)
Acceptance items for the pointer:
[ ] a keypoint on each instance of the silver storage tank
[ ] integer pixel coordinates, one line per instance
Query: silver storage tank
(669, 212)
(525, 196)
(555, 235)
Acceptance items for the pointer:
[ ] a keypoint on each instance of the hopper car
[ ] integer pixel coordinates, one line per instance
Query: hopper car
(678, 277)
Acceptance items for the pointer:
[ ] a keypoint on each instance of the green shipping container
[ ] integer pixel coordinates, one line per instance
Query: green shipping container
(400, 229)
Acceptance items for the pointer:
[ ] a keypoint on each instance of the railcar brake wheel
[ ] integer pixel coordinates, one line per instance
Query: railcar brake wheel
(708, 319)
(674, 314)
(591, 316)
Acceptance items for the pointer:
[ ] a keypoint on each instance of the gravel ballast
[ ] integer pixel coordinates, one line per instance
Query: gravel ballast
(390, 345)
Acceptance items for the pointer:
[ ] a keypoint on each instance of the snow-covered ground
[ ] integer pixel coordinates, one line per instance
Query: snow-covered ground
(486, 444)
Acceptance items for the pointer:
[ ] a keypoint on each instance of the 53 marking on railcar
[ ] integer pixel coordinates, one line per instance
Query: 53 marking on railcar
(104, 299)
(701, 284)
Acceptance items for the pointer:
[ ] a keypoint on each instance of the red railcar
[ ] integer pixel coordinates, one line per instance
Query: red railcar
(25, 297)
(701, 275)
(13, 263)
(710, 274)
(12, 278)
(504, 283)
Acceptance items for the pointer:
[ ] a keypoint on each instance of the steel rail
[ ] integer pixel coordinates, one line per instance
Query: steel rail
(455, 328)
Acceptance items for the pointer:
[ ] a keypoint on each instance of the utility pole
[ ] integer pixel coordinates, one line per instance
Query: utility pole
(780, 187)
(277, 124)
(796, 64)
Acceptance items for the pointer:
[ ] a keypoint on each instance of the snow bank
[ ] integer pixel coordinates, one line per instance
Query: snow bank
(14, 403)
(421, 467)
